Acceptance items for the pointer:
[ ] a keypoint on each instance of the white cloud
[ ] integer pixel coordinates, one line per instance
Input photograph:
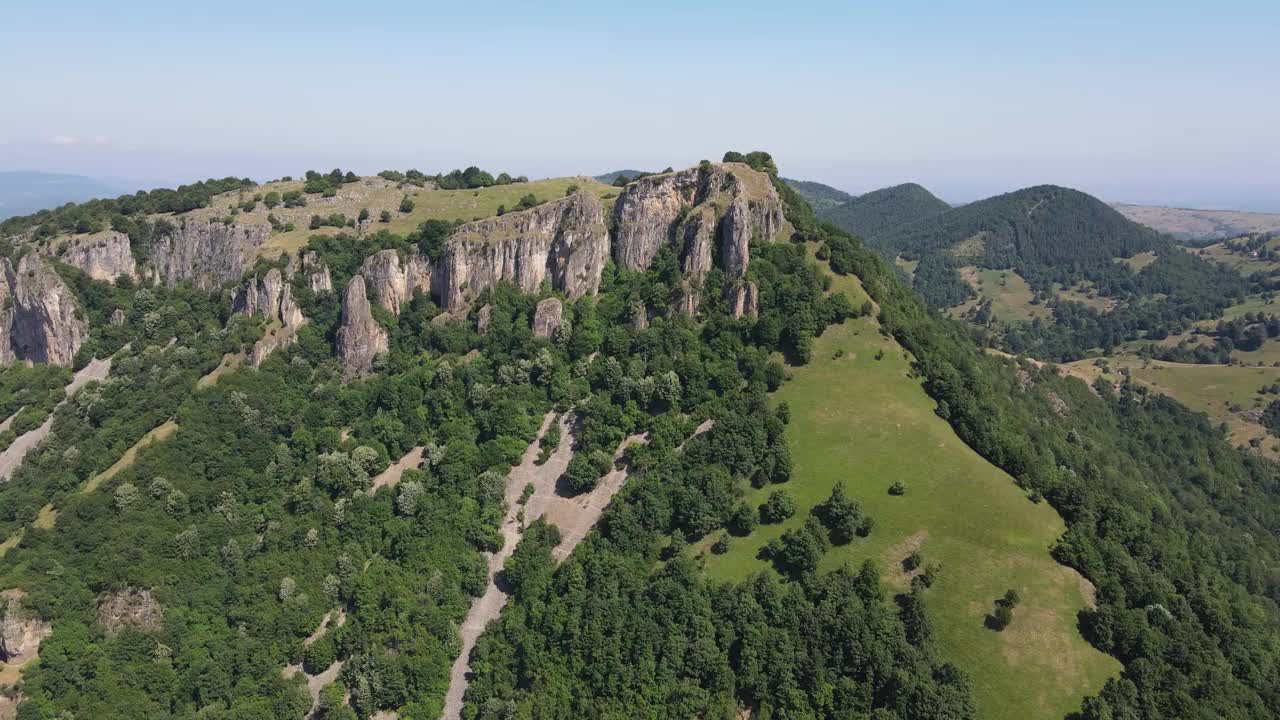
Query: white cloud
(63, 140)
(101, 139)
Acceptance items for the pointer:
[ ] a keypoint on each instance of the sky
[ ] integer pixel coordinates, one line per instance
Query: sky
(1173, 103)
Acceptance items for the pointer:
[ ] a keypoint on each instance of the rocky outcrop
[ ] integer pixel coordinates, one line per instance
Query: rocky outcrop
(565, 242)
(547, 317)
(708, 214)
(117, 317)
(394, 281)
(484, 316)
(42, 319)
(270, 298)
(21, 631)
(102, 256)
(360, 337)
(208, 253)
(260, 296)
(317, 272)
(129, 608)
(745, 299)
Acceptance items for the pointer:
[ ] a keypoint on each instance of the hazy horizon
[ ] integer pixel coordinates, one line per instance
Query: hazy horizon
(1149, 104)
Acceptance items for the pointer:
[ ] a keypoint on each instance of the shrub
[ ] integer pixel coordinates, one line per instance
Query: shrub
(384, 216)
(898, 488)
(573, 188)
(406, 204)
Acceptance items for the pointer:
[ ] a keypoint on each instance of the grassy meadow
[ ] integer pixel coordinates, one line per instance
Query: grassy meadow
(858, 417)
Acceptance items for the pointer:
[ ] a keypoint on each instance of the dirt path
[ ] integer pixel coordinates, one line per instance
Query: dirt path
(488, 606)
(12, 457)
(573, 515)
(389, 477)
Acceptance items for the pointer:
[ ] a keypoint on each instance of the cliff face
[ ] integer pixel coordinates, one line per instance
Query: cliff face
(208, 253)
(271, 298)
(394, 281)
(317, 271)
(564, 241)
(42, 322)
(709, 215)
(102, 256)
(20, 630)
(360, 337)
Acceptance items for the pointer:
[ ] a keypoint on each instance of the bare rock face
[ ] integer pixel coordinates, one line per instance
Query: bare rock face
(360, 337)
(745, 298)
(117, 317)
(207, 252)
(547, 317)
(564, 241)
(102, 256)
(44, 320)
(483, 317)
(129, 608)
(317, 273)
(20, 631)
(394, 281)
(706, 214)
(270, 298)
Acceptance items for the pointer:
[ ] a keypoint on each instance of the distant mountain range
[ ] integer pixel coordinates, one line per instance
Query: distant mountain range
(1187, 224)
(26, 191)
(609, 177)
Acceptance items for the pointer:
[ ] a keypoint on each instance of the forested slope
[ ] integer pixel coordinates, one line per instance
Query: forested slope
(882, 211)
(184, 585)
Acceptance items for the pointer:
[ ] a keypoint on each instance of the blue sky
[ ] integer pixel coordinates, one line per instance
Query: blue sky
(1173, 103)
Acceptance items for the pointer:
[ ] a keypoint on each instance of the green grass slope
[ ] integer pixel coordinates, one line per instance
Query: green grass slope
(883, 210)
(866, 422)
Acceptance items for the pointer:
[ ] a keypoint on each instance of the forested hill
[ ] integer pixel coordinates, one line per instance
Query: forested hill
(1041, 225)
(883, 210)
(821, 197)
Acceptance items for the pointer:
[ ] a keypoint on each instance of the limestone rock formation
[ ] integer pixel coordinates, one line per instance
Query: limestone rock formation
(707, 214)
(42, 321)
(745, 298)
(20, 630)
(102, 256)
(360, 337)
(564, 241)
(547, 317)
(483, 317)
(117, 317)
(317, 271)
(207, 252)
(394, 281)
(129, 608)
(271, 298)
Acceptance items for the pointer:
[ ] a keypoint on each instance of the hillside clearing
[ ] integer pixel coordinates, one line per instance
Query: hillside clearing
(154, 435)
(865, 422)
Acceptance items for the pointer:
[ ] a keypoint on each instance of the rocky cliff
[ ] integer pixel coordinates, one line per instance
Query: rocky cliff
(564, 241)
(270, 298)
(207, 252)
(360, 337)
(318, 278)
(20, 630)
(102, 256)
(42, 321)
(394, 281)
(709, 215)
